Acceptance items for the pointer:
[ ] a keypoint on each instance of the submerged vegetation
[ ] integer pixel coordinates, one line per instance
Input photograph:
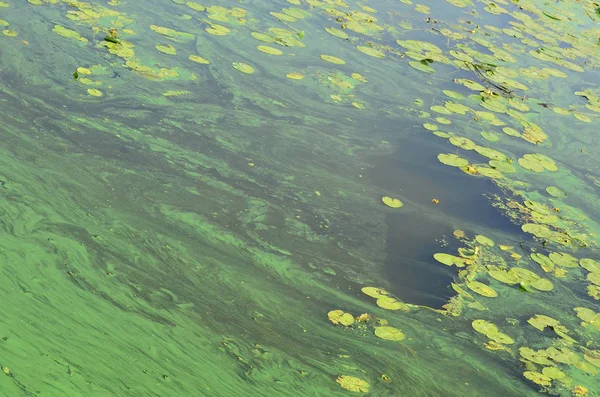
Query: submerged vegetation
(205, 199)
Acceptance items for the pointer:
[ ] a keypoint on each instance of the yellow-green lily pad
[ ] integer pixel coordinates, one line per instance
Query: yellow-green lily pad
(392, 202)
(389, 333)
(353, 384)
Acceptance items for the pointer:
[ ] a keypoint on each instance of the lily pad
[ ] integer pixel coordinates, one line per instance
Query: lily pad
(452, 160)
(389, 303)
(422, 67)
(269, 50)
(538, 378)
(504, 276)
(563, 259)
(392, 202)
(371, 51)
(389, 333)
(243, 67)
(555, 192)
(449, 260)
(482, 289)
(295, 76)
(353, 384)
(337, 33)
(374, 292)
(591, 265)
(94, 92)
(199, 59)
(332, 59)
(483, 240)
(340, 317)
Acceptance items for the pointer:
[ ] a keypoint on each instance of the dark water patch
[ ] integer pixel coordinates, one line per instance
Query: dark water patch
(414, 173)
(414, 275)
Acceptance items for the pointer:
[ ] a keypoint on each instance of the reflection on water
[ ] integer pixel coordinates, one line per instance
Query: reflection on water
(192, 198)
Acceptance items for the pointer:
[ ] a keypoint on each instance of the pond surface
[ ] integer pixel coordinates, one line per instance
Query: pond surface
(301, 198)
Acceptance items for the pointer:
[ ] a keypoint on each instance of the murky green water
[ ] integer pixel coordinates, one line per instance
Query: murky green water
(195, 198)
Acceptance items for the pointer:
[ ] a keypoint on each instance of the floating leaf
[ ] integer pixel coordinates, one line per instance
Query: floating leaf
(340, 317)
(423, 67)
(389, 333)
(389, 303)
(462, 142)
(371, 51)
(332, 59)
(538, 378)
(166, 49)
(392, 202)
(243, 67)
(504, 276)
(452, 160)
(374, 292)
(563, 259)
(295, 76)
(199, 59)
(337, 33)
(351, 383)
(483, 240)
(94, 92)
(449, 260)
(482, 289)
(269, 50)
(591, 265)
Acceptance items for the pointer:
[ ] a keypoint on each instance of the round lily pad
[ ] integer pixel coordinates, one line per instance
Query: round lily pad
(295, 76)
(389, 333)
(332, 59)
(337, 33)
(594, 278)
(491, 154)
(546, 263)
(590, 265)
(502, 166)
(504, 276)
(563, 259)
(371, 51)
(555, 192)
(392, 202)
(263, 37)
(339, 317)
(490, 136)
(482, 289)
(422, 67)
(524, 274)
(462, 142)
(243, 67)
(199, 59)
(449, 260)
(542, 284)
(374, 292)
(166, 49)
(389, 303)
(483, 240)
(484, 327)
(269, 50)
(501, 338)
(538, 378)
(452, 160)
(94, 92)
(353, 384)
(553, 373)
